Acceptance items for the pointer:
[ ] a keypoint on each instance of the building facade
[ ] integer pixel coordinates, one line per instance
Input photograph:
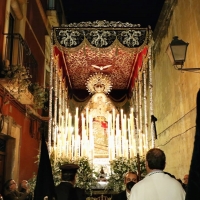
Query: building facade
(24, 46)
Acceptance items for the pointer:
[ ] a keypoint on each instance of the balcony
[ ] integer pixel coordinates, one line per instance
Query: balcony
(19, 68)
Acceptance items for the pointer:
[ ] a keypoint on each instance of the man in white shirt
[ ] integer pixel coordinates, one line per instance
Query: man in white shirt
(157, 185)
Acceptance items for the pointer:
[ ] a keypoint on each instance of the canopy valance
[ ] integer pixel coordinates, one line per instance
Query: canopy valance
(114, 48)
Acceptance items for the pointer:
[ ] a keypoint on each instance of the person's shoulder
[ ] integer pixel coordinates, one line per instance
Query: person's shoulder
(63, 186)
(65, 183)
(173, 183)
(141, 184)
(171, 178)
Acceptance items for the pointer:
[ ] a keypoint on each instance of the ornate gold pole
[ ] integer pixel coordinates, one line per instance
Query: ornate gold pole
(50, 95)
(138, 166)
(151, 95)
(146, 140)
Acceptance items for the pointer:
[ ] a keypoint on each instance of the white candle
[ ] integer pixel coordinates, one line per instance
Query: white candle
(92, 146)
(124, 127)
(77, 111)
(109, 147)
(129, 139)
(113, 118)
(134, 147)
(78, 146)
(140, 143)
(120, 143)
(55, 134)
(66, 116)
(131, 119)
(75, 147)
(87, 121)
(144, 143)
(69, 138)
(62, 134)
(121, 119)
(72, 154)
(126, 145)
(67, 149)
(109, 123)
(116, 145)
(90, 127)
(84, 142)
(76, 124)
(82, 147)
(123, 146)
(112, 144)
(83, 122)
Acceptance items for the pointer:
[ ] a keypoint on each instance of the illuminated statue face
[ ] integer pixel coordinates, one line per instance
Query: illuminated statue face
(99, 87)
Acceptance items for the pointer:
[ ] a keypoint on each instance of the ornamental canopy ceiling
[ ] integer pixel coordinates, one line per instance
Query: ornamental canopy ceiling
(118, 50)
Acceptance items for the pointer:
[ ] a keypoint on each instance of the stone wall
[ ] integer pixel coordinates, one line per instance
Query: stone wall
(174, 92)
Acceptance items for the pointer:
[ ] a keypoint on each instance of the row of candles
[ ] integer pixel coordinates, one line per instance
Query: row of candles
(125, 139)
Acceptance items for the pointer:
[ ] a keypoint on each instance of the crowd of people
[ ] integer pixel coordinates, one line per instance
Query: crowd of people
(157, 184)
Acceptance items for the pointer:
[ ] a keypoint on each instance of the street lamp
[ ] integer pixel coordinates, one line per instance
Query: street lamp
(176, 51)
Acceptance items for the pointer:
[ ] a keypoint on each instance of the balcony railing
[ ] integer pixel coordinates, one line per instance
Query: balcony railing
(18, 53)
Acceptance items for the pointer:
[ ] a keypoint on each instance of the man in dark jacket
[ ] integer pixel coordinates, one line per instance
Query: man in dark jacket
(130, 179)
(66, 190)
(24, 187)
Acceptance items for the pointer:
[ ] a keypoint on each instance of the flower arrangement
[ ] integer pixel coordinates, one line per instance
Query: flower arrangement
(85, 178)
(119, 167)
(18, 79)
(86, 175)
